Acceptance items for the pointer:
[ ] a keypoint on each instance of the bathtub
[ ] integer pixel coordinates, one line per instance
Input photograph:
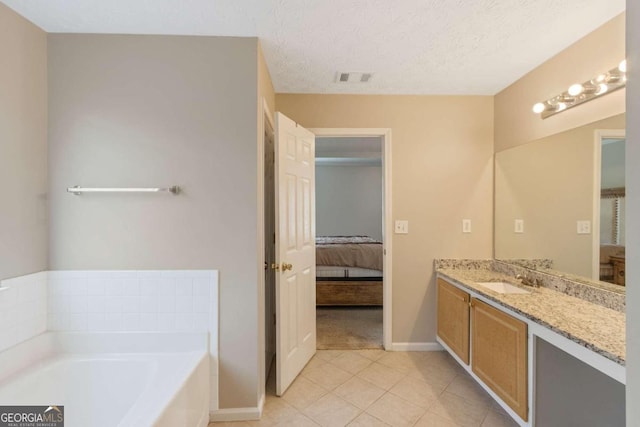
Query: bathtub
(112, 379)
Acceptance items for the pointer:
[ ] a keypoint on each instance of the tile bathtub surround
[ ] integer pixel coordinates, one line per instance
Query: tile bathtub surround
(141, 301)
(97, 301)
(166, 301)
(23, 308)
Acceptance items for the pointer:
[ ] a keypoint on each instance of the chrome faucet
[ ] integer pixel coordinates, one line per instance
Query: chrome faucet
(529, 281)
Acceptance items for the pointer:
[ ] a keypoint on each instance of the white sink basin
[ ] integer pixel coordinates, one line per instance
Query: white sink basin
(503, 288)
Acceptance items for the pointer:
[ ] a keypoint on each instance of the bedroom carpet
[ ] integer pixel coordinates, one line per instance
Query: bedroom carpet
(343, 328)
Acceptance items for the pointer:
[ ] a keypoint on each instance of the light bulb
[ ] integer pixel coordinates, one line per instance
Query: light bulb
(623, 66)
(576, 89)
(602, 88)
(539, 108)
(601, 78)
(561, 106)
(613, 78)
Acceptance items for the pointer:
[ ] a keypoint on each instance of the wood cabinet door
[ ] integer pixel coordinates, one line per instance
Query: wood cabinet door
(453, 319)
(499, 348)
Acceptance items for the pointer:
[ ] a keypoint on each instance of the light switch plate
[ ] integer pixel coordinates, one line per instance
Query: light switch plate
(584, 227)
(401, 227)
(466, 226)
(518, 226)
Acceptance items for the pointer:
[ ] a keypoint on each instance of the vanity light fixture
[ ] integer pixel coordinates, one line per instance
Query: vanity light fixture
(579, 93)
(623, 66)
(576, 89)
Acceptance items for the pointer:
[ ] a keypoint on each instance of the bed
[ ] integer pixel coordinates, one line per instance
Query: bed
(348, 270)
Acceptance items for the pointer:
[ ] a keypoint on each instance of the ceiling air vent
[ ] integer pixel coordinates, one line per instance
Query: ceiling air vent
(353, 77)
(365, 77)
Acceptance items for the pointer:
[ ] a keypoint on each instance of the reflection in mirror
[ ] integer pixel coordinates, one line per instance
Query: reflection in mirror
(612, 211)
(548, 199)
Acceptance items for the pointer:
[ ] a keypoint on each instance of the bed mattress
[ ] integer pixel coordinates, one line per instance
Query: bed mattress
(349, 251)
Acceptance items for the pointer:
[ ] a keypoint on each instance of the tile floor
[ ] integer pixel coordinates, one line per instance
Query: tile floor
(378, 388)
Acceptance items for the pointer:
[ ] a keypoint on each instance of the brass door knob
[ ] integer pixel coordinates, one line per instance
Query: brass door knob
(275, 266)
(286, 266)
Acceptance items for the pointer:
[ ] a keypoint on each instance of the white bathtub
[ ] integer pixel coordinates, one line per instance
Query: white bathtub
(112, 379)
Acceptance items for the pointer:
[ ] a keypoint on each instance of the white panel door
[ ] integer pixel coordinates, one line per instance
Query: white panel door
(295, 249)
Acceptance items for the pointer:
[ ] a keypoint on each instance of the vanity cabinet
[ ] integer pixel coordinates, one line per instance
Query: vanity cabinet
(498, 343)
(453, 319)
(499, 348)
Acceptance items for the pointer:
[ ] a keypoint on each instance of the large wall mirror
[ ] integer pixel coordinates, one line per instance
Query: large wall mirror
(562, 198)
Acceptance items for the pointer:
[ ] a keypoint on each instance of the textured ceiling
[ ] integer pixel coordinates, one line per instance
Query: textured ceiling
(411, 46)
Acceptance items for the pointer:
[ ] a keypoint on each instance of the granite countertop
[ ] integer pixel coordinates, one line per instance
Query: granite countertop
(593, 326)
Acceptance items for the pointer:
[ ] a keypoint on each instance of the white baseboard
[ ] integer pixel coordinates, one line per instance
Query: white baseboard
(415, 346)
(238, 414)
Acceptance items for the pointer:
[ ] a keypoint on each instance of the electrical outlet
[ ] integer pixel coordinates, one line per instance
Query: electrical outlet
(402, 227)
(466, 226)
(518, 226)
(584, 227)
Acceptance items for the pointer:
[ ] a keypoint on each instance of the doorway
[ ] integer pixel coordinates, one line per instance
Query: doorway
(292, 135)
(383, 135)
(609, 207)
(349, 242)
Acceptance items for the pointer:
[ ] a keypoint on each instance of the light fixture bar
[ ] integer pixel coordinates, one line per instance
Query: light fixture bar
(579, 93)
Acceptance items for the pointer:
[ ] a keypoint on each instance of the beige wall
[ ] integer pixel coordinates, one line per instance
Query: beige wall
(633, 211)
(442, 172)
(23, 146)
(548, 183)
(596, 53)
(157, 111)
